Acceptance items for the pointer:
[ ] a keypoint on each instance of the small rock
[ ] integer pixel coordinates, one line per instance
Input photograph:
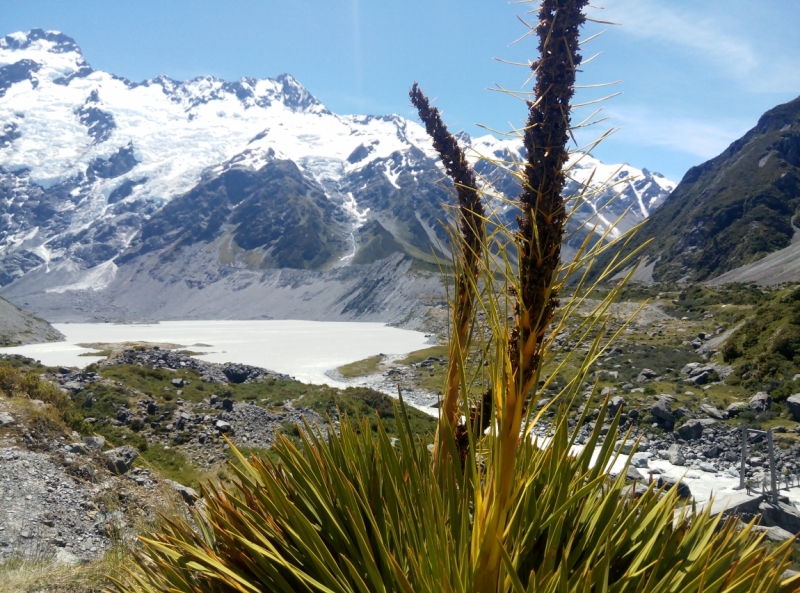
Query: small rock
(77, 448)
(735, 409)
(624, 447)
(641, 460)
(227, 405)
(633, 474)
(646, 374)
(189, 494)
(94, 443)
(178, 382)
(614, 404)
(708, 467)
(6, 419)
(712, 411)
(222, 426)
(121, 459)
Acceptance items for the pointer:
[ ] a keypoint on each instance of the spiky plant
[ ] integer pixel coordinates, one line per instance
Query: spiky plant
(353, 512)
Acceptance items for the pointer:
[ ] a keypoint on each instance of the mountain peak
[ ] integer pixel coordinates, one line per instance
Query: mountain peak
(51, 41)
(296, 96)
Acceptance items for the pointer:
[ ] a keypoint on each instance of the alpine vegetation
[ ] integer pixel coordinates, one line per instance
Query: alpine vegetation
(487, 508)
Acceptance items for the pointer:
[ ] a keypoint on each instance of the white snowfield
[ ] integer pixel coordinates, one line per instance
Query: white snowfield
(59, 116)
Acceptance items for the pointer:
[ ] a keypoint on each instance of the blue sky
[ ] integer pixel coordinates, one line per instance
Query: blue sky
(695, 75)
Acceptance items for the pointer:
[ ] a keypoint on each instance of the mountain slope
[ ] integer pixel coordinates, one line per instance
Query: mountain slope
(105, 181)
(734, 209)
(18, 327)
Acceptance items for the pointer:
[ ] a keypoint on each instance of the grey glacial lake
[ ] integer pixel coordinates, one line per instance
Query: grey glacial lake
(302, 349)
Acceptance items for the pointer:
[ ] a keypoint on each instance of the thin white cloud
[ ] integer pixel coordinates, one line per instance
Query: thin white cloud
(714, 34)
(708, 37)
(701, 138)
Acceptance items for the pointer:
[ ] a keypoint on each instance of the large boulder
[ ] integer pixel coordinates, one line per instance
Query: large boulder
(793, 403)
(785, 516)
(683, 489)
(691, 430)
(120, 460)
(662, 412)
(675, 455)
(773, 534)
(760, 402)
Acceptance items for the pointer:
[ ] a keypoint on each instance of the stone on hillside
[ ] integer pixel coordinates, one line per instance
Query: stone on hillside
(708, 467)
(121, 459)
(73, 386)
(712, 411)
(663, 413)
(774, 534)
(675, 455)
(222, 426)
(760, 402)
(227, 405)
(687, 370)
(6, 418)
(94, 443)
(177, 382)
(76, 448)
(793, 402)
(646, 374)
(693, 429)
(735, 409)
(712, 452)
(189, 494)
(641, 460)
(614, 405)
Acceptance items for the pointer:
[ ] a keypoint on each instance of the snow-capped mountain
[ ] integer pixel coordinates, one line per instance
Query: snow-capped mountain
(104, 181)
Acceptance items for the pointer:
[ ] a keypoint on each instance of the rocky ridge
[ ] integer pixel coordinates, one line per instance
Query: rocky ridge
(18, 327)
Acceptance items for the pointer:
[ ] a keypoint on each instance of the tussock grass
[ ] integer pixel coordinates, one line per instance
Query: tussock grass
(361, 368)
